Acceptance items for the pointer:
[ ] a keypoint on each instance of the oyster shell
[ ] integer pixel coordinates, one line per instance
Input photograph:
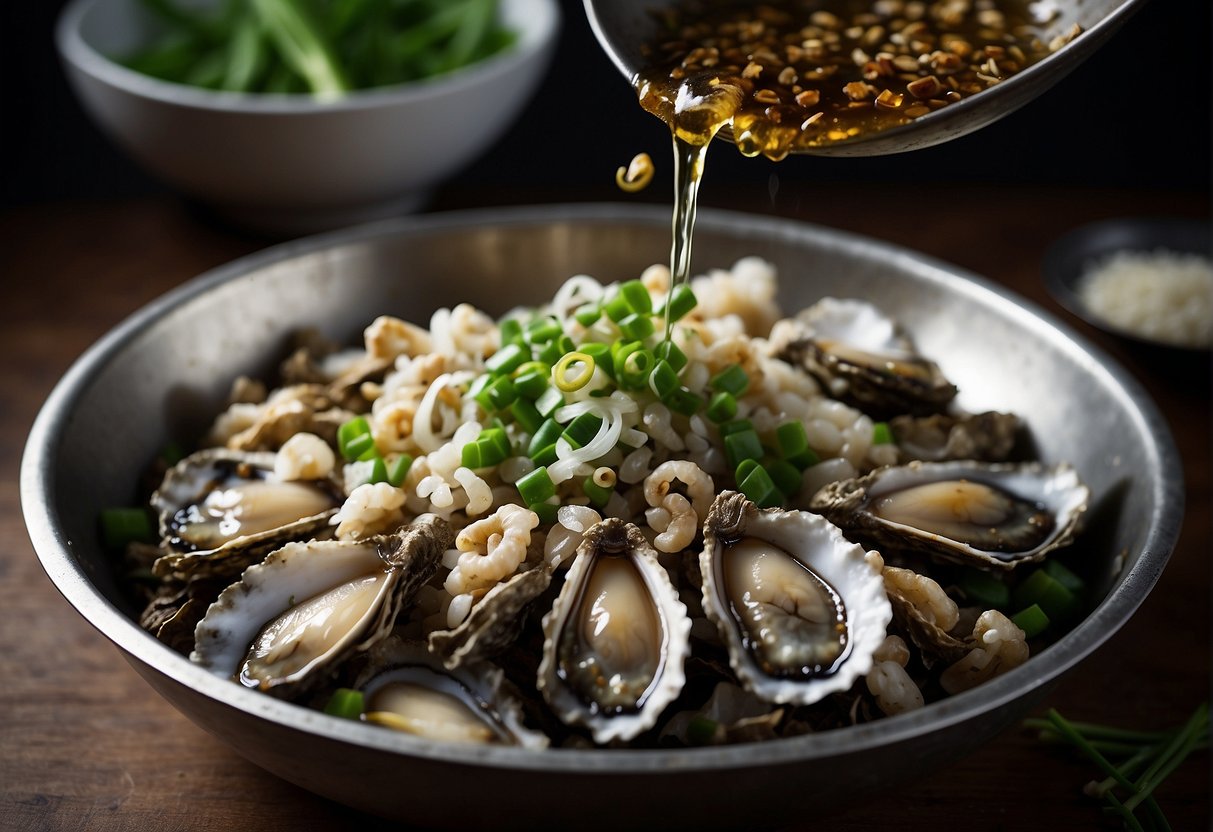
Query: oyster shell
(994, 516)
(800, 608)
(616, 637)
(858, 353)
(988, 436)
(494, 622)
(407, 688)
(222, 510)
(290, 620)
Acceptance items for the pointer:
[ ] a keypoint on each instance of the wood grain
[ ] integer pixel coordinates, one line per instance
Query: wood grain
(85, 744)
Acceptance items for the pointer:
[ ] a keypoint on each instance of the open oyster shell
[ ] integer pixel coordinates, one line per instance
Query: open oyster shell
(988, 436)
(289, 621)
(406, 687)
(616, 637)
(992, 516)
(800, 608)
(222, 510)
(858, 353)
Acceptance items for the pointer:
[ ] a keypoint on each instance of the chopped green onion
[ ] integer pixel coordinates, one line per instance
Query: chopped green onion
(511, 332)
(733, 380)
(1042, 589)
(532, 383)
(545, 455)
(791, 439)
(735, 426)
(567, 381)
(507, 359)
(478, 384)
(546, 511)
(683, 401)
(668, 351)
(498, 394)
(620, 351)
(526, 415)
(1058, 571)
(744, 444)
(543, 330)
(360, 448)
(536, 487)
(722, 407)
(598, 495)
(582, 430)
(636, 326)
(553, 351)
(497, 439)
(351, 441)
(345, 703)
(881, 434)
(120, 526)
(588, 315)
(988, 591)
(807, 459)
(703, 731)
(1031, 620)
(378, 471)
(548, 401)
(744, 468)
(637, 296)
(617, 308)
(681, 301)
(637, 366)
(785, 476)
(399, 469)
(759, 487)
(663, 380)
(546, 434)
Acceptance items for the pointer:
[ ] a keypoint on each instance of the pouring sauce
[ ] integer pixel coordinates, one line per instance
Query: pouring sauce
(792, 75)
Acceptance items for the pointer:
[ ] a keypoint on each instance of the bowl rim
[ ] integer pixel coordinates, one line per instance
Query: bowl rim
(54, 548)
(537, 32)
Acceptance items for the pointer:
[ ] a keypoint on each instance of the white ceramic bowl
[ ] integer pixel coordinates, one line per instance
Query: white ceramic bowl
(290, 163)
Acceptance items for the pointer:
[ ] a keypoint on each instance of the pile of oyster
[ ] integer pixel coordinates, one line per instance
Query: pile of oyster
(775, 622)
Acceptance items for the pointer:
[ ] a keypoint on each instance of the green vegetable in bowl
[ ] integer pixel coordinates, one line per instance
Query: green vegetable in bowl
(322, 47)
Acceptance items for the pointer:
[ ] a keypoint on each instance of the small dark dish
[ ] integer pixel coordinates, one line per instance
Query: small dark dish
(1068, 259)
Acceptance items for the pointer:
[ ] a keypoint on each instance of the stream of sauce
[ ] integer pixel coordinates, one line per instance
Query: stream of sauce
(790, 75)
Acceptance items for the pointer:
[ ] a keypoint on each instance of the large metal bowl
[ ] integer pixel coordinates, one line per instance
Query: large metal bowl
(166, 370)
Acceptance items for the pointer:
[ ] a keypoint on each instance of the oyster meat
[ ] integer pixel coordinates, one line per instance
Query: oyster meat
(222, 510)
(407, 688)
(986, 515)
(800, 609)
(616, 638)
(858, 353)
(290, 620)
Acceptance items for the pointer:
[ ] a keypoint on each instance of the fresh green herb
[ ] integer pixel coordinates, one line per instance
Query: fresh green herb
(345, 703)
(120, 526)
(322, 47)
(1134, 763)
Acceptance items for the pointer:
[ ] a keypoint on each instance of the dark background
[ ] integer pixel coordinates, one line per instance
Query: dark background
(1137, 115)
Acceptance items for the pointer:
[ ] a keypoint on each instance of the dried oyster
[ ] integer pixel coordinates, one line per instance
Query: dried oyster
(800, 608)
(616, 637)
(408, 689)
(977, 514)
(222, 510)
(857, 352)
(290, 620)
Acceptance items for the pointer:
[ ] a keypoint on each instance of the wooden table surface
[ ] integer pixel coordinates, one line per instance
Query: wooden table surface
(86, 744)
